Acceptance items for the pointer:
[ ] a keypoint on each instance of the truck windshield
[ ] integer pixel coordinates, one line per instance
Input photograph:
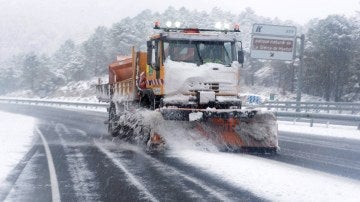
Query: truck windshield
(199, 52)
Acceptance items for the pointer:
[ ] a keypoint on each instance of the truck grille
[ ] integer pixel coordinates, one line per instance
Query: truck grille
(213, 86)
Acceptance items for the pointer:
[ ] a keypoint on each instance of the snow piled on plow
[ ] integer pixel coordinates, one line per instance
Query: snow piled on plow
(177, 134)
(259, 132)
(262, 128)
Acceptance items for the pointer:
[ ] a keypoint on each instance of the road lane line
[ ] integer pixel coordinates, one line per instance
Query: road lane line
(162, 166)
(81, 132)
(170, 170)
(55, 192)
(131, 177)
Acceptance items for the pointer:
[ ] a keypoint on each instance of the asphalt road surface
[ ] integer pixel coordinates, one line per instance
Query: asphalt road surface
(88, 166)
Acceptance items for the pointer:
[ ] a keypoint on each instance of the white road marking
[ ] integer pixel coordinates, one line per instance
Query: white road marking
(210, 190)
(131, 177)
(159, 165)
(81, 132)
(55, 192)
(169, 170)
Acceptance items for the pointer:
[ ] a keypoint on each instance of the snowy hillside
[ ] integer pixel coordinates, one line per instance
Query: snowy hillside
(73, 91)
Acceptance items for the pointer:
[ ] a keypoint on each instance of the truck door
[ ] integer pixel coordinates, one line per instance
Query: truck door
(154, 70)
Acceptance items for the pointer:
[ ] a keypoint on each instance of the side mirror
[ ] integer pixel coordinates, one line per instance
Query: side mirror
(241, 57)
(149, 52)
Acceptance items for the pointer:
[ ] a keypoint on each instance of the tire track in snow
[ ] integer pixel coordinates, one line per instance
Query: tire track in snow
(85, 185)
(173, 172)
(130, 176)
(169, 170)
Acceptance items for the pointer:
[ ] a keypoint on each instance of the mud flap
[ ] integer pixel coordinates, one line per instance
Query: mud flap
(155, 143)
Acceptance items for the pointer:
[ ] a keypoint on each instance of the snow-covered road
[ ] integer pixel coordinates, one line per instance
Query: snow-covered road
(273, 180)
(90, 166)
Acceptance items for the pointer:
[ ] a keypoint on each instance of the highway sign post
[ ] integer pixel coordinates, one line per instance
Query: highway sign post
(299, 81)
(276, 42)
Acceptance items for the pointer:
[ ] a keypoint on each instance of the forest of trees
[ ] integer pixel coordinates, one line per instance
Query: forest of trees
(331, 57)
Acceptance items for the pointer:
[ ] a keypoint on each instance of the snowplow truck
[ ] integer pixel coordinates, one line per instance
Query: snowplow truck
(187, 75)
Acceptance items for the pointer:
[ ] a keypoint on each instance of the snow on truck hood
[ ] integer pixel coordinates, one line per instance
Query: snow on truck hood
(181, 77)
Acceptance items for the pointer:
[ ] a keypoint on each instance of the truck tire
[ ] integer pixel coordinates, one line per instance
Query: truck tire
(147, 99)
(112, 123)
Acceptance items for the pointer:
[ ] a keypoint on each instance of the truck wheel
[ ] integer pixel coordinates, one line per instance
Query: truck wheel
(112, 120)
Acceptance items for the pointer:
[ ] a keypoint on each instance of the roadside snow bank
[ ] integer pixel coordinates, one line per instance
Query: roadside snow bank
(16, 133)
(272, 180)
(350, 132)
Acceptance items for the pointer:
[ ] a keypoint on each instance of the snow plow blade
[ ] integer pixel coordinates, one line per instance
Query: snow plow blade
(231, 129)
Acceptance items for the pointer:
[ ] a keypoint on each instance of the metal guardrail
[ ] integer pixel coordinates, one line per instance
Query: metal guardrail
(269, 105)
(343, 117)
(327, 107)
(54, 102)
(312, 116)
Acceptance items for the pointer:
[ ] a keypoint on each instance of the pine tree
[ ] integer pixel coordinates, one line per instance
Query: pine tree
(31, 70)
(332, 47)
(95, 52)
(61, 58)
(76, 69)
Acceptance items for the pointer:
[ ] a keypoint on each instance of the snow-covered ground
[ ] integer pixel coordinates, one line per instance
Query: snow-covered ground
(83, 91)
(80, 91)
(272, 179)
(16, 135)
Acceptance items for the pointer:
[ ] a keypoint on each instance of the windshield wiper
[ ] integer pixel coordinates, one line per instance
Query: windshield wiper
(228, 56)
